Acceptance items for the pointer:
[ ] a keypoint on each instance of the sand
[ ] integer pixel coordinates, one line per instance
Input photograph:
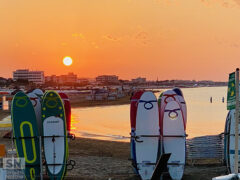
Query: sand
(101, 160)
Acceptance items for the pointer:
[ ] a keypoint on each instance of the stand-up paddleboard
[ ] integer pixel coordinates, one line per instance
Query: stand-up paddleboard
(133, 113)
(38, 92)
(67, 107)
(25, 133)
(226, 140)
(38, 109)
(55, 135)
(232, 141)
(147, 135)
(173, 132)
(182, 102)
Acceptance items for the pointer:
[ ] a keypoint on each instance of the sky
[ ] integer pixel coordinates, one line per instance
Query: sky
(156, 39)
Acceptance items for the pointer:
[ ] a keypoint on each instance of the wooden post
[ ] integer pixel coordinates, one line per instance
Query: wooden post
(236, 121)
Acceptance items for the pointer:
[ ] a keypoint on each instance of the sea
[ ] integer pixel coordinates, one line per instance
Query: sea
(113, 122)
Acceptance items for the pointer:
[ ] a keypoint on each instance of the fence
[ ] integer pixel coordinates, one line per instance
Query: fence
(205, 147)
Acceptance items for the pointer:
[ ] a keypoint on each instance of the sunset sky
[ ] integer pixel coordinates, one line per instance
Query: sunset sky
(164, 39)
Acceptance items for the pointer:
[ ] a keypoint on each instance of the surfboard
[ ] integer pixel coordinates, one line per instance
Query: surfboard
(226, 140)
(182, 103)
(55, 135)
(67, 107)
(133, 113)
(173, 132)
(232, 141)
(36, 102)
(147, 135)
(25, 133)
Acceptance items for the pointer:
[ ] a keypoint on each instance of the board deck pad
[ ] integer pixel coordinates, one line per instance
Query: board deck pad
(24, 127)
(55, 135)
(147, 123)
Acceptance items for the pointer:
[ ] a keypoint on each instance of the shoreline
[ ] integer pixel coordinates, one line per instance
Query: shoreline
(120, 101)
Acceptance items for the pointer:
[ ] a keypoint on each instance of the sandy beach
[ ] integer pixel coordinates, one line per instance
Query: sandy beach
(99, 159)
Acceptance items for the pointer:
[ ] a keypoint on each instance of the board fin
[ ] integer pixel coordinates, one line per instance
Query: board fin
(161, 166)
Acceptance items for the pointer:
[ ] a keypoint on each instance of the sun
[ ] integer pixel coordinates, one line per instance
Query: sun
(67, 61)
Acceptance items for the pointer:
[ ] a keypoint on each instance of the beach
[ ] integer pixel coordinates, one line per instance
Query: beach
(101, 160)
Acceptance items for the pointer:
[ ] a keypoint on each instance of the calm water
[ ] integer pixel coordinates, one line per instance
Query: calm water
(113, 122)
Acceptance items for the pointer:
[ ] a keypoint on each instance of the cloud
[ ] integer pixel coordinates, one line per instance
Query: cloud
(111, 38)
(63, 44)
(142, 37)
(237, 1)
(227, 43)
(94, 44)
(78, 35)
(224, 3)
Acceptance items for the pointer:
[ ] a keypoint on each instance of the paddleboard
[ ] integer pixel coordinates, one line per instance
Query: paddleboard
(147, 134)
(25, 133)
(67, 107)
(133, 113)
(173, 132)
(38, 92)
(182, 102)
(232, 141)
(226, 140)
(36, 102)
(55, 135)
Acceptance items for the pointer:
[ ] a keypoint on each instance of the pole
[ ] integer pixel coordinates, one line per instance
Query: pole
(40, 145)
(236, 121)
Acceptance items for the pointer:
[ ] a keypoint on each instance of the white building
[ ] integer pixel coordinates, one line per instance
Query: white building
(107, 78)
(36, 77)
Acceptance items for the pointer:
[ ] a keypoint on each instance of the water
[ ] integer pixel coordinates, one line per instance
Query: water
(113, 122)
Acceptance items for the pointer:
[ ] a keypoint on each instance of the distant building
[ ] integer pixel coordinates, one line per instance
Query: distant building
(139, 80)
(36, 77)
(107, 79)
(82, 80)
(62, 79)
(3, 80)
(69, 78)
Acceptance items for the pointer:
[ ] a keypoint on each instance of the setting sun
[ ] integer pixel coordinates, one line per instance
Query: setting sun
(67, 61)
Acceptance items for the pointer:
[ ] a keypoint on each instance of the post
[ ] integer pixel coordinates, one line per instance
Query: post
(40, 145)
(236, 121)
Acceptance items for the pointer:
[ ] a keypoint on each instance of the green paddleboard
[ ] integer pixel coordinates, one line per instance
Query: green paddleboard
(55, 135)
(25, 133)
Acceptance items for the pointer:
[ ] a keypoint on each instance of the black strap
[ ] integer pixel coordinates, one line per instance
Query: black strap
(147, 102)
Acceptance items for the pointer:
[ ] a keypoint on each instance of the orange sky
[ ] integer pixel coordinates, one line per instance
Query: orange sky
(168, 39)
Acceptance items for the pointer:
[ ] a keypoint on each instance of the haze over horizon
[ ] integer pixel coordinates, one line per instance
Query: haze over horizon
(190, 40)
